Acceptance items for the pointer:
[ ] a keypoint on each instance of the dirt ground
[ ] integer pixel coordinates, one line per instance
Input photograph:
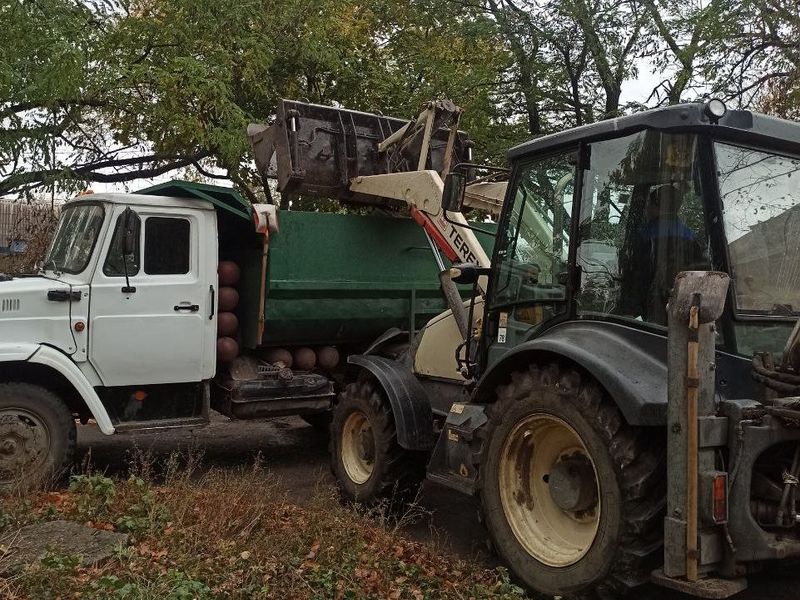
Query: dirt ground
(298, 456)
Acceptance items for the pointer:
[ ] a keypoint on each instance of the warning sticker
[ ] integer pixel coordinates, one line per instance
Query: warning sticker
(501, 330)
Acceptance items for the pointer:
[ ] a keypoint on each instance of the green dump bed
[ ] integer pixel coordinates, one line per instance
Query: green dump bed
(336, 278)
(331, 278)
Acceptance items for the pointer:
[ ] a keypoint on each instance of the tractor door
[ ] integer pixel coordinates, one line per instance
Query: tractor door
(529, 289)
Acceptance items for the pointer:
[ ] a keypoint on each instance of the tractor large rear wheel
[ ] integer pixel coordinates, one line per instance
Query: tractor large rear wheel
(369, 464)
(37, 436)
(573, 497)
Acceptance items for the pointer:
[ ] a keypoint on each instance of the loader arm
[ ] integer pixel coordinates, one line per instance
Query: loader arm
(422, 191)
(371, 159)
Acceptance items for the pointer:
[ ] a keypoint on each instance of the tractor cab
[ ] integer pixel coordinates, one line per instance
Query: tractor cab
(599, 220)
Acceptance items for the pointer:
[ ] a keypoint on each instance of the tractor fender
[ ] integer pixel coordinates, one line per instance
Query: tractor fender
(411, 407)
(62, 364)
(629, 363)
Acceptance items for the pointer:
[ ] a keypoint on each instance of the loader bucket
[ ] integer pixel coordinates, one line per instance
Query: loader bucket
(318, 150)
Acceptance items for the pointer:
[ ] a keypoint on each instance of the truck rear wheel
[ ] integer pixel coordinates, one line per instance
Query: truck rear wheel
(37, 436)
(368, 463)
(573, 497)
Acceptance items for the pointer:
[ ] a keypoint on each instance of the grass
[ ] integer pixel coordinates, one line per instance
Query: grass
(232, 534)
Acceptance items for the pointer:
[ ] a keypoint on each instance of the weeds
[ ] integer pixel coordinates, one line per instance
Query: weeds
(232, 534)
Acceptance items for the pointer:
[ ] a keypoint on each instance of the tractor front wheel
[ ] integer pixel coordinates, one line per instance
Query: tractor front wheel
(369, 464)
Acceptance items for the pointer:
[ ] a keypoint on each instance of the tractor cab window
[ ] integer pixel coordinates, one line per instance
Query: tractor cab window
(529, 284)
(760, 194)
(641, 223)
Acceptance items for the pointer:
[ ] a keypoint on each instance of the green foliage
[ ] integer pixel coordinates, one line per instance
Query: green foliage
(60, 562)
(6, 519)
(94, 495)
(114, 90)
(225, 541)
(146, 86)
(174, 585)
(143, 511)
(51, 576)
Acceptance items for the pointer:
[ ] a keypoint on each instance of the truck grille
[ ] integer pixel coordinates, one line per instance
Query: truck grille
(9, 304)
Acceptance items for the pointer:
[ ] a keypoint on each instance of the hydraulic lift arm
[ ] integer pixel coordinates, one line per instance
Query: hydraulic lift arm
(422, 191)
(364, 158)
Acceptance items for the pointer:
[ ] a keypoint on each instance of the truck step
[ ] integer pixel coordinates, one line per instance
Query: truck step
(160, 424)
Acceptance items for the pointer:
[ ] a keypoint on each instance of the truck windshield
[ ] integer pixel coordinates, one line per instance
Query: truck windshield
(760, 194)
(75, 238)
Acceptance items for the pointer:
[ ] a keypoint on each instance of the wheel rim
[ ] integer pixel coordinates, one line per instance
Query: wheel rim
(358, 447)
(549, 490)
(24, 444)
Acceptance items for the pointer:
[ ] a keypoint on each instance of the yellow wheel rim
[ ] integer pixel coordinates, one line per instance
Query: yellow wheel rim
(358, 448)
(549, 490)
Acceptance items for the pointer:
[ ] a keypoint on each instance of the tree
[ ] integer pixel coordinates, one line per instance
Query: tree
(137, 88)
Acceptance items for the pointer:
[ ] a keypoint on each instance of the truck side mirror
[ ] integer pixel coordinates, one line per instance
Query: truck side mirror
(129, 241)
(453, 194)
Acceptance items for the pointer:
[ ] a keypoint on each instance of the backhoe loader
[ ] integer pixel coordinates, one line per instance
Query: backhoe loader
(619, 391)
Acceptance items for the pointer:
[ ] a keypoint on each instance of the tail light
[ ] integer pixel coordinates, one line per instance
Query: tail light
(719, 498)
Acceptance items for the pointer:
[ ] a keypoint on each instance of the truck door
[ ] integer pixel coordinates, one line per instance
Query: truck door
(160, 327)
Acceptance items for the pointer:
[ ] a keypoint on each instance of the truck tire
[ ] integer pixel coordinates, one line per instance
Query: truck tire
(369, 465)
(37, 436)
(572, 496)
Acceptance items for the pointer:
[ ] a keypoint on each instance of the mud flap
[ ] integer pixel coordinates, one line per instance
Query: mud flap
(455, 459)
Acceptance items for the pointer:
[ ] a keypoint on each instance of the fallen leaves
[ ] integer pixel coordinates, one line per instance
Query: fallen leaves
(219, 535)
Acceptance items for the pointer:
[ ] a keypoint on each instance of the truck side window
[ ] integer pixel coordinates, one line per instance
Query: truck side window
(114, 266)
(167, 246)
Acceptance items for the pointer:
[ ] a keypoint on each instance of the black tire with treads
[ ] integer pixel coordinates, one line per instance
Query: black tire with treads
(630, 467)
(57, 418)
(397, 472)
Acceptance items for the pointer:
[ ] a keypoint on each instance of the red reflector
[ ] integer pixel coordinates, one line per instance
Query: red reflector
(720, 498)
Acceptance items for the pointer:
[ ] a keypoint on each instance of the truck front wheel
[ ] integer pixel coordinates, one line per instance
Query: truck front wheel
(37, 436)
(368, 463)
(573, 498)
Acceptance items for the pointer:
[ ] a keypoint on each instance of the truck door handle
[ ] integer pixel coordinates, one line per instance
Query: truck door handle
(213, 302)
(62, 295)
(187, 307)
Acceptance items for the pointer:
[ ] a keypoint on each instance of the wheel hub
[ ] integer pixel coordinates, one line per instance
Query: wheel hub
(366, 445)
(358, 447)
(549, 490)
(572, 484)
(23, 442)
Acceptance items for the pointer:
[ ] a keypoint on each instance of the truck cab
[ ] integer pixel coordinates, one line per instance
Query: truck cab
(148, 315)
(117, 326)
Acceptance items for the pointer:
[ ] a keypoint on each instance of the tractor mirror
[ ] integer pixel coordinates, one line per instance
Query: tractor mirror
(453, 194)
(467, 273)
